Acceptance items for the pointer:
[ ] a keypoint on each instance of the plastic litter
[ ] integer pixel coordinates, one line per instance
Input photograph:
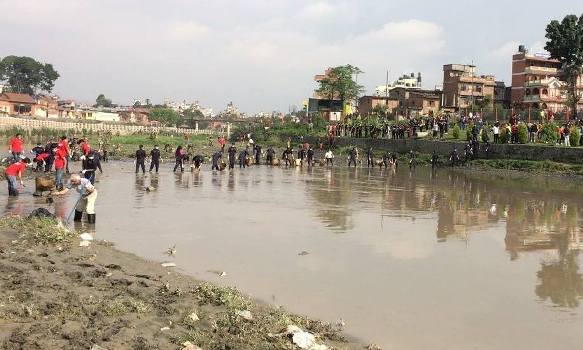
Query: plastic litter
(84, 243)
(189, 346)
(86, 237)
(246, 314)
(303, 340)
(168, 264)
(193, 317)
(163, 329)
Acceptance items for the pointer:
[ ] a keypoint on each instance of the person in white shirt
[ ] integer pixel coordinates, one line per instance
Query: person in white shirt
(329, 158)
(86, 202)
(496, 131)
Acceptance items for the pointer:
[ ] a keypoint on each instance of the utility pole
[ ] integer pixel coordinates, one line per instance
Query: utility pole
(387, 85)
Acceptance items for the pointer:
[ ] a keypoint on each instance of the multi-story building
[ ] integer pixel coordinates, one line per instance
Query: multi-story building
(462, 88)
(536, 82)
(502, 94)
(367, 104)
(406, 81)
(414, 102)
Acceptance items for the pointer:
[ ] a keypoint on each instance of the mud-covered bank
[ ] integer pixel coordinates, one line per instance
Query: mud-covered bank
(57, 295)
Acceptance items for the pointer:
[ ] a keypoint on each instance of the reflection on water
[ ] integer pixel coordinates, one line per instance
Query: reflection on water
(395, 253)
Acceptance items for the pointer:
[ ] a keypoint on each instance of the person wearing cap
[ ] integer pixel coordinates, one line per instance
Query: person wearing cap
(14, 171)
(88, 195)
(155, 158)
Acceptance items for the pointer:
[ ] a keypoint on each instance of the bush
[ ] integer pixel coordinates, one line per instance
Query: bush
(522, 133)
(468, 134)
(486, 133)
(456, 132)
(549, 133)
(574, 137)
(504, 135)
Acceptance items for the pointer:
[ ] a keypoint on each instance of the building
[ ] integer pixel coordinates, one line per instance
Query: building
(367, 104)
(502, 94)
(406, 81)
(414, 102)
(47, 107)
(12, 103)
(135, 116)
(102, 115)
(462, 88)
(536, 82)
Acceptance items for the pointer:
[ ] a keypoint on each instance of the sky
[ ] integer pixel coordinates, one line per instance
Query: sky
(263, 54)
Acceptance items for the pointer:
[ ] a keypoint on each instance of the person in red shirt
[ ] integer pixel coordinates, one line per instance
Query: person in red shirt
(16, 146)
(14, 171)
(60, 164)
(64, 145)
(40, 161)
(85, 148)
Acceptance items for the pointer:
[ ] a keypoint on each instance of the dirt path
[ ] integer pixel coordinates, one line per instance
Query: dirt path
(57, 295)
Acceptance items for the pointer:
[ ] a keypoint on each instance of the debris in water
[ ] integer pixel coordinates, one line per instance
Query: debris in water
(218, 273)
(171, 251)
(168, 264)
(303, 252)
(373, 347)
(246, 314)
(150, 189)
(341, 323)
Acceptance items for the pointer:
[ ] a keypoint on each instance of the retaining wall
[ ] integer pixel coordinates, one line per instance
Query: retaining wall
(122, 129)
(444, 148)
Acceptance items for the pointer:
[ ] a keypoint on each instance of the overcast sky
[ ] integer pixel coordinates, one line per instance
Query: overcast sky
(263, 54)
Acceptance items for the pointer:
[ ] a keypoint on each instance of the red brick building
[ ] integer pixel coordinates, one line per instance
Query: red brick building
(14, 103)
(462, 88)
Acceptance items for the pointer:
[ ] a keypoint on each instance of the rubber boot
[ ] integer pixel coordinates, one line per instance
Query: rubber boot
(78, 216)
(91, 218)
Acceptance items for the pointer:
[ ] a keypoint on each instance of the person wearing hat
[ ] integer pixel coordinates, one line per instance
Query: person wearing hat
(14, 171)
(88, 195)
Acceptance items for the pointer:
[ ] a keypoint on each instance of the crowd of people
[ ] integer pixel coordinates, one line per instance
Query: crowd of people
(54, 157)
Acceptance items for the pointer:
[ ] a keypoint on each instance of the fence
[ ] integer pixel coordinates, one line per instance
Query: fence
(122, 129)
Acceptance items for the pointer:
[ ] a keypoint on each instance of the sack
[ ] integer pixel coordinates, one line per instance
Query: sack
(44, 183)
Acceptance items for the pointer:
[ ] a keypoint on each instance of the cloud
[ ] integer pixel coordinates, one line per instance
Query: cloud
(187, 30)
(417, 35)
(317, 11)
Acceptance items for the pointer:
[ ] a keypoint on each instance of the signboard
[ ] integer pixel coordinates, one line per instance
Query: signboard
(324, 105)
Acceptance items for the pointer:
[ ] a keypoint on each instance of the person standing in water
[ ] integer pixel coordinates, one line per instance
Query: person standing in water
(370, 158)
(88, 196)
(232, 151)
(243, 158)
(352, 157)
(217, 156)
(155, 158)
(14, 171)
(179, 156)
(141, 159)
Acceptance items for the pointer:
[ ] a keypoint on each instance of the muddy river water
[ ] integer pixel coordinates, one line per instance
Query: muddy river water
(416, 260)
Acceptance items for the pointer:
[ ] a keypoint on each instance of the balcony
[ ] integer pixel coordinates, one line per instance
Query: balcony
(540, 70)
(537, 83)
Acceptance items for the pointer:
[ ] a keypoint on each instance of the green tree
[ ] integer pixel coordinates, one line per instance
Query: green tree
(565, 43)
(102, 101)
(166, 116)
(339, 83)
(26, 75)
(191, 115)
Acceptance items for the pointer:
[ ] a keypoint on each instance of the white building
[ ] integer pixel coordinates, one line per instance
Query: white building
(406, 81)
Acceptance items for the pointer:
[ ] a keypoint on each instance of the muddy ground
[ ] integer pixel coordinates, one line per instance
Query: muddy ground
(57, 295)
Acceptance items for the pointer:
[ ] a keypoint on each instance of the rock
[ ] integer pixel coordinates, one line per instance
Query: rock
(246, 314)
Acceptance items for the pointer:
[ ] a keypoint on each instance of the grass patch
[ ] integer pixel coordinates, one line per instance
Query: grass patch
(222, 296)
(38, 230)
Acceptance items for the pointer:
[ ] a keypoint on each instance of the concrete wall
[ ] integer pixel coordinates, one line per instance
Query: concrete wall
(444, 148)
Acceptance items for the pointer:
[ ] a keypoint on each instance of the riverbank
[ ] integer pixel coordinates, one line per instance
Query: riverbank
(58, 295)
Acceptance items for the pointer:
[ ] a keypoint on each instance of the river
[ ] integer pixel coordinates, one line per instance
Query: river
(408, 260)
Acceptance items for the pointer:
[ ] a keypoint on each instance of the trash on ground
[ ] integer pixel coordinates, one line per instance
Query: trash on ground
(97, 347)
(168, 264)
(246, 314)
(193, 317)
(163, 329)
(86, 237)
(373, 347)
(189, 346)
(302, 339)
(84, 243)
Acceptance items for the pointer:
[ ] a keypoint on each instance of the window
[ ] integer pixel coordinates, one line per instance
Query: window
(432, 103)
(478, 88)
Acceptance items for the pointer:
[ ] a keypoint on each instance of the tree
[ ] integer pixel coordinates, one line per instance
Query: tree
(102, 101)
(191, 115)
(166, 116)
(26, 75)
(339, 83)
(565, 43)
